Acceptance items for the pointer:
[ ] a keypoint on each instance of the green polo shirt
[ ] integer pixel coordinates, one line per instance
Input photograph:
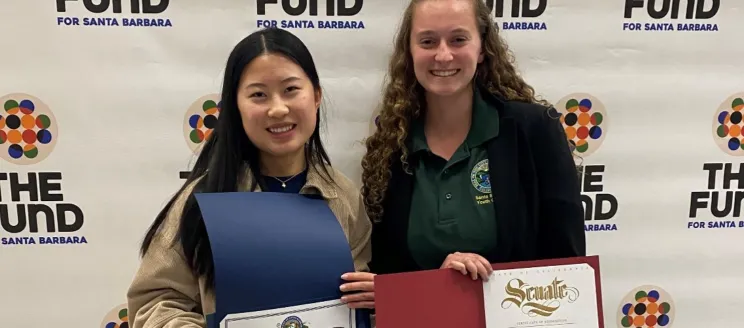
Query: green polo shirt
(451, 207)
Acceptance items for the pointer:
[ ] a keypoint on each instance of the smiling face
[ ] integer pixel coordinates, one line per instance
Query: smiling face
(278, 105)
(445, 45)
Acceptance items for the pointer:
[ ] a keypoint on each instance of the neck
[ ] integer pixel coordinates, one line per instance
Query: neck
(283, 166)
(449, 115)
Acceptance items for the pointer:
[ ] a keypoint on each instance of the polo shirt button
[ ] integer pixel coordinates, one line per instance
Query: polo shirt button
(448, 196)
(446, 171)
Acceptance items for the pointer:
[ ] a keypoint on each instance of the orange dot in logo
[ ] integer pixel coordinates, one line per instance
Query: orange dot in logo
(639, 321)
(652, 308)
(14, 136)
(584, 119)
(734, 130)
(207, 134)
(2, 122)
(570, 132)
(28, 121)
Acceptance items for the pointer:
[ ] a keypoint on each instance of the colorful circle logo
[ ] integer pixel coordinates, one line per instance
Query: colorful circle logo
(116, 318)
(200, 120)
(727, 125)
(28, 129)
(585, 121)
(646, 307)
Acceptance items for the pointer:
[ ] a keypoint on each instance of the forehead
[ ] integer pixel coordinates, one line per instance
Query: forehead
(271, 67)
(444, 16)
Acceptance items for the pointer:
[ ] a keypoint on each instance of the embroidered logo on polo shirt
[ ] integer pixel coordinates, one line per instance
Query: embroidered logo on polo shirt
(480, 178)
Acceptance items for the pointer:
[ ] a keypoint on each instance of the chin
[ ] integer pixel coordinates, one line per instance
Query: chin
(283, 150)
(444, 90)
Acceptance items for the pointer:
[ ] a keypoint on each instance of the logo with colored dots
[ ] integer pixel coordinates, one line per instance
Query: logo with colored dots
(116, 318)
(200, 120)
(584, 120)
(28, 129)
(728, 124)
(646, 307)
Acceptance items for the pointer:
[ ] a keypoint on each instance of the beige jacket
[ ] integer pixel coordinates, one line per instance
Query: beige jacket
(165, 294)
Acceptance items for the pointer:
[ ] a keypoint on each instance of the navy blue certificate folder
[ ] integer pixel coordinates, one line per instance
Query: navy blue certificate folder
(274, 250)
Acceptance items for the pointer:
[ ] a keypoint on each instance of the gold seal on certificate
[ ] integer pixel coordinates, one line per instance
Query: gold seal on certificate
(564, 293)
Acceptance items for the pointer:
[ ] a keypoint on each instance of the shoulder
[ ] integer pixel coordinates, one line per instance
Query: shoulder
(530, 114)
(345, 187)
(168, 232)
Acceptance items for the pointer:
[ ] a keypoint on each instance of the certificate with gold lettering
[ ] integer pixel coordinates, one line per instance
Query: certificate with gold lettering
(549, 294)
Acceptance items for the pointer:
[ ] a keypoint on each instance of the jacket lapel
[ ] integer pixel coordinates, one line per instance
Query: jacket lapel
(503, 168)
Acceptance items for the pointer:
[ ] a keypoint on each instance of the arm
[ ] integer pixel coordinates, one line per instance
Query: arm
(164, 292)
(360, 235)
(358, 287)
(561, 213)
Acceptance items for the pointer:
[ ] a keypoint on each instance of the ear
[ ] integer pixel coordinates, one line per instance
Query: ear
(318, 97)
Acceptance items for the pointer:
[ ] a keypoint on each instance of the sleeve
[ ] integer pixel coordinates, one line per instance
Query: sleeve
(164, 292)
(561, 213)
(360, 235)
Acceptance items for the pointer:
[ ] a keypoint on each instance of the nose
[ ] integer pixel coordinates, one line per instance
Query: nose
(443, 53)
(278, 109)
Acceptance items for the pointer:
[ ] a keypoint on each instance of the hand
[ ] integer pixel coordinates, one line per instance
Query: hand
(466, 263)
(362, 286)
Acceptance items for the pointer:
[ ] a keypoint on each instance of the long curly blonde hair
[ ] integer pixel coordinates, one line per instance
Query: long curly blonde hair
(403, 97)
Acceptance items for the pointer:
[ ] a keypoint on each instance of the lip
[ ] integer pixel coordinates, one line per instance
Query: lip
(438, 72)
(281, 130)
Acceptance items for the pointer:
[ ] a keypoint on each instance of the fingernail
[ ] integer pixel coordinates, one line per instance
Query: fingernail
(344, 276)
(343, 288)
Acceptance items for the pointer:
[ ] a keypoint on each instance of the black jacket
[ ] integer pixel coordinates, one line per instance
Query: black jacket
(535, 186)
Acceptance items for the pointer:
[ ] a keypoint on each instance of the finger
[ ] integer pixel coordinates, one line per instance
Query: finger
(472, 268)
(361, 305)
(366, 286)
(358, 276)
(482, 272)
(358, 297)
(459, 266)
(487, 265)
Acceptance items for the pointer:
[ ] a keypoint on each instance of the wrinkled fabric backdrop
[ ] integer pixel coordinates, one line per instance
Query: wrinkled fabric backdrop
(105, 103)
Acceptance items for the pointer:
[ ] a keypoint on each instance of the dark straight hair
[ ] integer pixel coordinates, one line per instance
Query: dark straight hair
(227, 152)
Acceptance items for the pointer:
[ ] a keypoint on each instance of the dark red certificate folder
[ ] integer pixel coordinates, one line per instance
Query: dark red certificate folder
(446, 298)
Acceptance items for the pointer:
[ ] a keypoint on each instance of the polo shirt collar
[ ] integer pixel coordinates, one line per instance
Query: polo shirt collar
(484, 125)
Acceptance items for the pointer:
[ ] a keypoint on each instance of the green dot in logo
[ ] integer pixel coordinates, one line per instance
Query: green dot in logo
(10, 104)
(196, 136)
(32, 152)
(738, 102)
(572, 103)
(597, 118)
(721, 131)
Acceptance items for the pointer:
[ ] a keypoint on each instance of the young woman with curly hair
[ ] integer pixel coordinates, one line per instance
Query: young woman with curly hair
(467, 167)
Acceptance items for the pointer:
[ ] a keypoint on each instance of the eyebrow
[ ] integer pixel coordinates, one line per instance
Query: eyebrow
(259, 84)
(430, 32)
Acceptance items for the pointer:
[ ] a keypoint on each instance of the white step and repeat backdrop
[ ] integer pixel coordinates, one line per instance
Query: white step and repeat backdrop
(97, 98)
